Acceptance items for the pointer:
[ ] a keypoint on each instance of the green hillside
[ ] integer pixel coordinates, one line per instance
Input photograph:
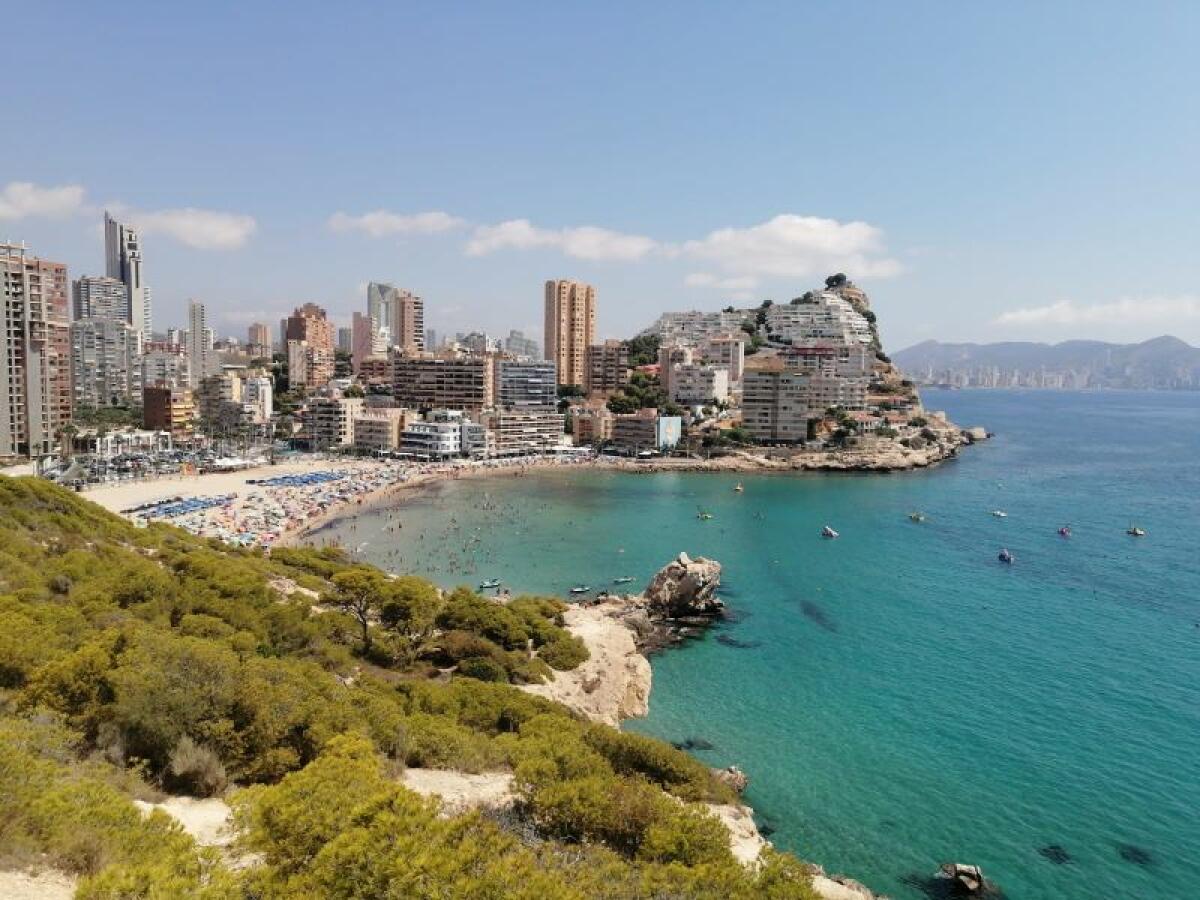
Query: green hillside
(138, 661)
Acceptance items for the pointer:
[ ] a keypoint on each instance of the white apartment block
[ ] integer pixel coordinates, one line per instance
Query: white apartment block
(778, 402)
(105, 366)
(828, 319)
(694, 384)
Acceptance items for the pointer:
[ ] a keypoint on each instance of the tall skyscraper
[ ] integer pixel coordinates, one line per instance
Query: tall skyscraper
(35, 353)
(345, 340)
(123, 258)
(202, 358)
(100, 298)
(570, 327)
(401, 312)
(367, 341)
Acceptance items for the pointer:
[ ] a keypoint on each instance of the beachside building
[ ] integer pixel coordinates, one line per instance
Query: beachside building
(606, 368)
(202, 356)
(379, 429)
(169, 408)
(258, 392)
(694, 327)
(328, 422)
(570, 327)
(526, 385)
(105, 367)
(465, 383)
(645, 430)
(524, 432)
(591, 425)
(445, 434)
(779, 400)
(823, 318)
(35, 353)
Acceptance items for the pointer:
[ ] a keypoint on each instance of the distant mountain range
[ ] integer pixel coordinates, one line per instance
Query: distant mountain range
(1164, 363)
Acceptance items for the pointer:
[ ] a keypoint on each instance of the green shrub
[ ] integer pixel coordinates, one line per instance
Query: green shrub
(483, 668)
(564, 652)
(195, 770)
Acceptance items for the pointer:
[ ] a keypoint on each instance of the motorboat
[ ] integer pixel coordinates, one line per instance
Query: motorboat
(999, 514)
(489, 584)
(1134, 531)
(580, 589)
(738, 487)
(624, 579)
(827, 532)
(704, 516)
(1006, 556)
(916, 516)
(1065, 531)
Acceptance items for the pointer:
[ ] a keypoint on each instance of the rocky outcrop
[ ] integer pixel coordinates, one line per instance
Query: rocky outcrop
(733, 777)
(614, 682)
(685, 588)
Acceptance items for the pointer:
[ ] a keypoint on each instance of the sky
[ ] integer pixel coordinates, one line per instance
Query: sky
(1017, 171)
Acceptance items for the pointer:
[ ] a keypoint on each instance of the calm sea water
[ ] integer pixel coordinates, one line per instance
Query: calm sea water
(898, 697)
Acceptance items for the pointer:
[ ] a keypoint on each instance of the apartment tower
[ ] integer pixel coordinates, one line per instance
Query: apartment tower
(35, 353)
(570, 327)
(123, 259)
(399, 311)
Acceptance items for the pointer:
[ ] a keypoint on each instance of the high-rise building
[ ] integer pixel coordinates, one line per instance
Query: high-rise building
(169, 409)
(401, 312)
(100, 298)
(35, 353)
(519, 345)
(259, 335)
(526, 385)
(309, 366)
(310, 324)
(165, 365)
(345, 340)
(202, 358)
(123, 259)
(431, 340)
(570, 327)
(607, 368)
(467, 384)
(366, 341)
(105, 363)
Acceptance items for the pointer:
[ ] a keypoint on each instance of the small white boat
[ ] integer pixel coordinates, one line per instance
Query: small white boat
(624, 579)
(1134, 531)
(580, 589)
(1006, 556)
(916, 516)
(489, 584)
(827, 532)
(738, 487)
(999, 514)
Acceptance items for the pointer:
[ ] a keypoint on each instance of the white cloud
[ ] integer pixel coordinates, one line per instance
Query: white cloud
(381, 223)
(584, 242)
(1125, 312)
(733, 283)
(201, 229)
(791, 246)
(24, 199)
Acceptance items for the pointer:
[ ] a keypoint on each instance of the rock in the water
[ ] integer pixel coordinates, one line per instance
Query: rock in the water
(967, 879)
(685, 588)
(976, 434)
(732, 776)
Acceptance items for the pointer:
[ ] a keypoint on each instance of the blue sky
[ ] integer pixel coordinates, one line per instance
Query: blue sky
(986, 171)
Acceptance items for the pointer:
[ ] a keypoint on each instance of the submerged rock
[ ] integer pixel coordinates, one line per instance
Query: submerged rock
(1139, 856)
(1056, 853)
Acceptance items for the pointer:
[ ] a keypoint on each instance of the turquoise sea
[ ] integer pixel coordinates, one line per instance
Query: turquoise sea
(898, 697)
